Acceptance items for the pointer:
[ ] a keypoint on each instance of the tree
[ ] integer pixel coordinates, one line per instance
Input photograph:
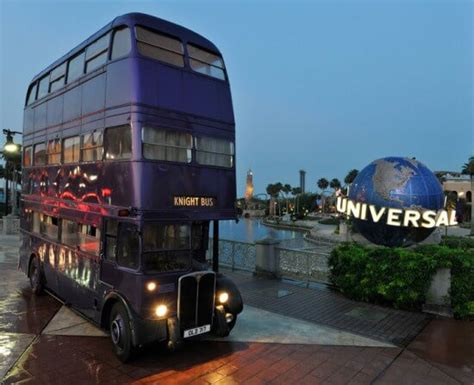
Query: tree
(323, 185)
(286, 189)
(468, 169)
(296, 191)
(274, 191)
(351, 175)
(335, 184)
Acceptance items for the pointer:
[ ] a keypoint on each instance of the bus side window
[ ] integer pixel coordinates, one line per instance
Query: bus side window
(118, 142)
(127, 248)
(69, 233)
(111, 226)
(36, 222)
(122, 43)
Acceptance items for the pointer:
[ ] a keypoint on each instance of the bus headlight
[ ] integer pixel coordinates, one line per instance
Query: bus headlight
(151, 286)
(223, 297)
(161, 310)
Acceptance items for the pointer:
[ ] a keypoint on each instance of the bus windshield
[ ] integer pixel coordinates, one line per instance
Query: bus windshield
(171, 247)
(166, 247)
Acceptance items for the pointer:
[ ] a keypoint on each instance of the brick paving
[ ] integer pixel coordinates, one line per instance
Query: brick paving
(329, 308)
(443, 353)
(89, 360)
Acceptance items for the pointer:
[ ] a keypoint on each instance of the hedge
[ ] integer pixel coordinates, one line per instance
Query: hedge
(400, 277)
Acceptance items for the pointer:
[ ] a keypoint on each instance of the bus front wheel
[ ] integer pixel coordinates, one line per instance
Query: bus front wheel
(36, 277)
(121, 333)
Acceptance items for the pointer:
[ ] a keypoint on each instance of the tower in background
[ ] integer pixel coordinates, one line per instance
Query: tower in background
(249, 186)
(302, 181)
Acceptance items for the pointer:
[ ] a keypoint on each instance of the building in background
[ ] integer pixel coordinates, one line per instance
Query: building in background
(302, 181)
(249, 186)
(458, 189)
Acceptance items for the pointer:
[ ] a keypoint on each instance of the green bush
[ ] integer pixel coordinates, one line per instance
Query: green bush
(458, 242)
(401, 277)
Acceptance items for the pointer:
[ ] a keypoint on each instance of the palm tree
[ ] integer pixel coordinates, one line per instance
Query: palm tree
(286, 189)
(274, 191)
(296, 191)
(350, 177)
(323, 184)
(468, 169)
(335, 184)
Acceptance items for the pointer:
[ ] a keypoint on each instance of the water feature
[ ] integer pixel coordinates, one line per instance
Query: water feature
(253, 229)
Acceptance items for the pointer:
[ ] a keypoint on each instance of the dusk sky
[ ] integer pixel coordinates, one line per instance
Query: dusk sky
(324, 86)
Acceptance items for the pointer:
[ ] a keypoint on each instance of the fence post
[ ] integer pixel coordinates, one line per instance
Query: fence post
(233, 256)
(308, 267)
(266, 258)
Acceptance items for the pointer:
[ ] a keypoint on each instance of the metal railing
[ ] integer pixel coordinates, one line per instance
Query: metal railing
(304, 265)
(14, 226)
(308, 265)
(235, 255)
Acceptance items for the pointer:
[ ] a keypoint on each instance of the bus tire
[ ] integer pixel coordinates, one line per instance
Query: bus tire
(231, 324)
(121, 333)
(36, 277)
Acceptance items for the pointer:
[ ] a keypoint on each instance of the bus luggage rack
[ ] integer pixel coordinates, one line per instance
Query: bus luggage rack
(196, 293)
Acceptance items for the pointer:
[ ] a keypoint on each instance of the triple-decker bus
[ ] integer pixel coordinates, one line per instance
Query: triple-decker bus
(128, 155)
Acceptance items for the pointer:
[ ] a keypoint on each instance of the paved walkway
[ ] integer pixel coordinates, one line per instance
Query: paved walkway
(34, 351)
(323, 306)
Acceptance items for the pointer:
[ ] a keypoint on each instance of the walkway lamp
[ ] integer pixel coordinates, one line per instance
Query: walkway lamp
(10, 150)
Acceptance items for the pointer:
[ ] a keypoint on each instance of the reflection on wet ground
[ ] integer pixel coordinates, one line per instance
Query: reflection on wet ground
(443, 353)
(22, 314)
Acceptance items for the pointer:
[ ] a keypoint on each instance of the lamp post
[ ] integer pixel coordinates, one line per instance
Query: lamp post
(10, 150)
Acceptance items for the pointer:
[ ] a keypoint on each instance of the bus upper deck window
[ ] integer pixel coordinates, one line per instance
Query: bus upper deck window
(32, 93)
(160, 144)
(57, 77)
(118, 142)
(214, 151)
(43, 86)
(96, 53)
(159, 47)
(76, 67)
(122, 43)
(206, 62)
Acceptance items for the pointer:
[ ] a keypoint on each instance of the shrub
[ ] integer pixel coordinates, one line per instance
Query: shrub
(458, 242)
(401, 277)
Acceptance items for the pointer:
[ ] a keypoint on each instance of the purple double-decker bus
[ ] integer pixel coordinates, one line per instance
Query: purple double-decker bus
(128, 155)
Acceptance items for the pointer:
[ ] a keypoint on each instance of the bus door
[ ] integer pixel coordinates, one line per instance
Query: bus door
(120, 254)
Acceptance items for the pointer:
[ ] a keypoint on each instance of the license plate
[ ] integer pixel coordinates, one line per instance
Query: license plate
(196, 331)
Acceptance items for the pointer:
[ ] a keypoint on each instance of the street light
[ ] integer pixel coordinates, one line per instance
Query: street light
(10, 150)
(11, 147)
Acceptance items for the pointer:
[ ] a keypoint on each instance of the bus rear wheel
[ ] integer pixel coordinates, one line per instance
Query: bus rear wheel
(121, 333)
(36, 277)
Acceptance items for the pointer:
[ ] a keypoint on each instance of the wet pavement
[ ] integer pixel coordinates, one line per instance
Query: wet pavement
(33, 351)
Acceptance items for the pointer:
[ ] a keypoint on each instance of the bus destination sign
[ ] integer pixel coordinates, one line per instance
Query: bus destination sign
(192, 201)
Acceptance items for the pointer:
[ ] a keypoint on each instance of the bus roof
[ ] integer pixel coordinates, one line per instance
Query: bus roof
(131, 19)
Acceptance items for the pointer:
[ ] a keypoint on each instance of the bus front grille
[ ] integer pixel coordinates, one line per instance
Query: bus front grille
(196, 292)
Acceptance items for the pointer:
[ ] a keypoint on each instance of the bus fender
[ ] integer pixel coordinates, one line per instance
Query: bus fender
(32, 256)
(235, 304)
(109, 300)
